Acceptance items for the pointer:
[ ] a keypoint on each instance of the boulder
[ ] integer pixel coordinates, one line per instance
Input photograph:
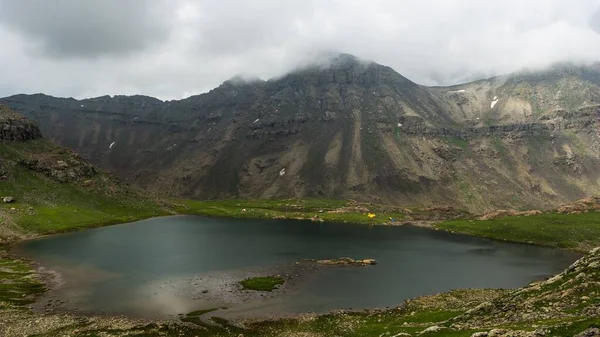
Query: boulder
(591, 332)
(8, 199)
(402, 334)
(367, 261)
(435, 328)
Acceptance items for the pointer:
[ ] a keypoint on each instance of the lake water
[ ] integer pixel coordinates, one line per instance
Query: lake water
(171, 265)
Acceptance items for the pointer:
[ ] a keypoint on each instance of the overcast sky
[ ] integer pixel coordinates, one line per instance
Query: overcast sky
(171, 49)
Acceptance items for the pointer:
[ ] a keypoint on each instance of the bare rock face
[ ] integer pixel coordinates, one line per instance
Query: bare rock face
(14, 127)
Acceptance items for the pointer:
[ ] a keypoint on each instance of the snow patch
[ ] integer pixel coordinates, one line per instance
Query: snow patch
(494, 102)
(111, 145)
(461, 90)
(256, 120)
(82, 105)
(399, 124)
(282, 172)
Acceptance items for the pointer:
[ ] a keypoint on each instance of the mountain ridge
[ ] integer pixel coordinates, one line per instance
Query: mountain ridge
(351, 129)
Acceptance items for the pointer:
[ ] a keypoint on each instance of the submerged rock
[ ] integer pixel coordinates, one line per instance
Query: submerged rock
(344, 261)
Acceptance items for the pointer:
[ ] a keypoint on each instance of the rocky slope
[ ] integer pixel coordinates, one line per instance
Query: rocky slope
(45, 188)
(351, 129)
(570, 294)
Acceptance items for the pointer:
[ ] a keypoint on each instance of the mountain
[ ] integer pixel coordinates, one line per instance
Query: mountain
(349, 129)
(46, 188)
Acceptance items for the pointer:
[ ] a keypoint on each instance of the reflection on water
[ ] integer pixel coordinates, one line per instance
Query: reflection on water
(169, 265)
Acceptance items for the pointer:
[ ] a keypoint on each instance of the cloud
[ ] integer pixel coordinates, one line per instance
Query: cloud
(90, 28)
(175, 48)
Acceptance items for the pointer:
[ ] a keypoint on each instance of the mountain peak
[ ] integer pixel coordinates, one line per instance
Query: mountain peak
(341, 68)
(344, 60)
(241, 79)
(333, 61)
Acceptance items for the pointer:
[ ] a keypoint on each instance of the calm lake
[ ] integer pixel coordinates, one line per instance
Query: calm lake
(166, 266)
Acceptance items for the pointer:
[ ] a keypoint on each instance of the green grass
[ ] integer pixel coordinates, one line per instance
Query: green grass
(367, 324)
(579, 232)
(264, 283)
(298, 209)
(44, 205)
(463, 144)
(18, 283)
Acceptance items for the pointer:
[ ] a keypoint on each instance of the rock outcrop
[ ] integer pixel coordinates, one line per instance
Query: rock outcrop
(70, 167)
(502, 213)
(57, 163)
(14, 127)
(580, 206)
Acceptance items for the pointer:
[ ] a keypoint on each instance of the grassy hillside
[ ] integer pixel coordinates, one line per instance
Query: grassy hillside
(579, 232)
(55, 190)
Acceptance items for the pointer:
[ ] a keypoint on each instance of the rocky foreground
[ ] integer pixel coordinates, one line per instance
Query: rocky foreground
(548, 306)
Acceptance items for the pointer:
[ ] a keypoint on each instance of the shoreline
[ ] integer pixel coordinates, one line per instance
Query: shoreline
(435, 218)
(51, 284)
(131, 321)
